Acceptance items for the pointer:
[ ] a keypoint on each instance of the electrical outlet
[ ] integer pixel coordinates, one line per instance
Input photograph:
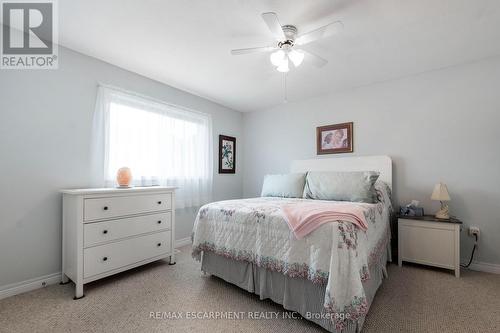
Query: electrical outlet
(473, 230)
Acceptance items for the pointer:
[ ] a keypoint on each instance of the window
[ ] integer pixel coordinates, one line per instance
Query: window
(162, 144)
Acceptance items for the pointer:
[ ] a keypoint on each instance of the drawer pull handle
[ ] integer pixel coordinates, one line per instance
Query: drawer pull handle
(159, 202)
(105, 208)
(105, 232)
(105, 259)
(159, 244)
(159, 222)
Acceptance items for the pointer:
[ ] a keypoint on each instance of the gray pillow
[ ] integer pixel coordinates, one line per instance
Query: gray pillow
(285, 186)
(356, 186)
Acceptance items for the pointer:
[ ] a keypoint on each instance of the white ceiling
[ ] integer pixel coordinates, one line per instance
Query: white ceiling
(186, 43)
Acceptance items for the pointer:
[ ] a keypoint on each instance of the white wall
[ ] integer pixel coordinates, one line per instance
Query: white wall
(438, 126)
(45, 129)
(442, 125)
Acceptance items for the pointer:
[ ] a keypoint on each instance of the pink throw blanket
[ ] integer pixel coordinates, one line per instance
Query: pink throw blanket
(304, 217)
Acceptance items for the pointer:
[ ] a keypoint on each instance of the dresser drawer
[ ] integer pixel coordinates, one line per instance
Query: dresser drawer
(101, 232)
(103, 208)
(104, 258)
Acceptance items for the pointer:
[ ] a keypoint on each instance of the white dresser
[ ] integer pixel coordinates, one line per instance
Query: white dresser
(109, 230)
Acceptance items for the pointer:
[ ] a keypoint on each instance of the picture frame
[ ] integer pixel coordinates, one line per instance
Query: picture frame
(334, 139)
(227, 154)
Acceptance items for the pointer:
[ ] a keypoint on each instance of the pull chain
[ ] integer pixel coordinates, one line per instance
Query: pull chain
(285, 94)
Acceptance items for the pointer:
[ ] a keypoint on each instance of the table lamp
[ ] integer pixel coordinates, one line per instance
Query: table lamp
(441, 194)
(124, 177)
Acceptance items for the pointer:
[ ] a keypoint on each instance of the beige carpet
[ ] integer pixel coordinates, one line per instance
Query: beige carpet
(412, 299)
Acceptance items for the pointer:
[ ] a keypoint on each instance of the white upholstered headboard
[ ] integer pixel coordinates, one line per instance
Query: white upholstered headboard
(382, 164)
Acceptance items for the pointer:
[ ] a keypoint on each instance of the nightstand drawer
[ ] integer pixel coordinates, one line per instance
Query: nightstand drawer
(429, 241)
(428, 246)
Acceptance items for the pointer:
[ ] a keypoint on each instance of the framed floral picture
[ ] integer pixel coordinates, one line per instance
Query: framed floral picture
(334, 139)
(227, 154)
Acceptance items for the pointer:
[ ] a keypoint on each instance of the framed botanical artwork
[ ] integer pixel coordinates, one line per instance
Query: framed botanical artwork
(227, 154)
(334, 139)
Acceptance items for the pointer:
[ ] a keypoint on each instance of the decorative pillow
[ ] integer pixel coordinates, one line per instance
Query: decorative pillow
(384, 194)
(286, 186)
(356, 186)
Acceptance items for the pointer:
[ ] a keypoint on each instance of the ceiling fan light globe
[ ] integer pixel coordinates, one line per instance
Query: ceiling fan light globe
(283, 68)
(277, 57)
(296, 57)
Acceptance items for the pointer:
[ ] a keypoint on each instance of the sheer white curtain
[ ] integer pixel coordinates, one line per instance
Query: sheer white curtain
(162, 144)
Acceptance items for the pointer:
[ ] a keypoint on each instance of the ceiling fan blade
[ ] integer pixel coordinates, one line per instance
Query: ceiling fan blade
(252, 50)
(325, 31)
(274, 25)
(315, 59)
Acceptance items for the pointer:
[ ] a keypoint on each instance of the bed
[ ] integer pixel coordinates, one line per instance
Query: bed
(330, 277)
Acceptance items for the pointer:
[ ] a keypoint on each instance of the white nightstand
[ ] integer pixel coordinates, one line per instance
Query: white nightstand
(429, 241)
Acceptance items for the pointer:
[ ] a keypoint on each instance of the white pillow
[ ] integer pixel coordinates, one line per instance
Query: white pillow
(286, 186)
(355, 186)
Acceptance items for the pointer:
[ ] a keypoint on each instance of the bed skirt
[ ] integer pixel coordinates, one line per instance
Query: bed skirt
(295, 294)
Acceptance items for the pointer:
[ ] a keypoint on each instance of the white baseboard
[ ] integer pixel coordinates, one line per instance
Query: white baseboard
(47, 280)
(29, 285)
(485, 267)
(182, 242)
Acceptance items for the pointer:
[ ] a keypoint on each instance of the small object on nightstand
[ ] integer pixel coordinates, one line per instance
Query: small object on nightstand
(429, 241)
(441, 194)
(412, 209)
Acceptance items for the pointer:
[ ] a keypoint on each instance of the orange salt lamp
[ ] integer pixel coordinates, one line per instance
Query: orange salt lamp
(124, 177)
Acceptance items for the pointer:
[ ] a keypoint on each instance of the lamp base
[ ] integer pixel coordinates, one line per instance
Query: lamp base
(443, 213)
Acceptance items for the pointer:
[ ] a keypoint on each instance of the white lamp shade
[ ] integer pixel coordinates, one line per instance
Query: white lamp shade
(277, 57)
(284, 66)
(440, 193)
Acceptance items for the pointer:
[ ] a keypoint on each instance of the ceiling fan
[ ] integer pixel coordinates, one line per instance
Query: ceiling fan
(288, 42)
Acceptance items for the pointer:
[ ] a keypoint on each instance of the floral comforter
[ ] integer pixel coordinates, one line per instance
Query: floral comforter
(337, 254)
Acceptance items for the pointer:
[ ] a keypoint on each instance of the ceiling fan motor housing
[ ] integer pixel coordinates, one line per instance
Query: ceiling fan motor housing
(290, 34)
